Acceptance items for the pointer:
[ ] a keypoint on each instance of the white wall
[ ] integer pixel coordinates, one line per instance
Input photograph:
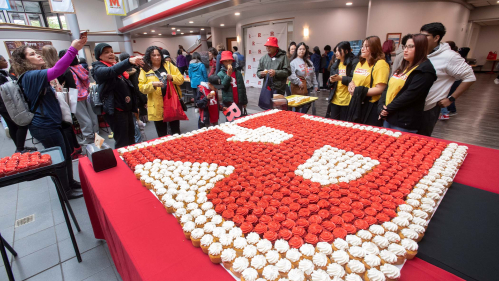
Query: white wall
(217, 36)
(488, 40)
(485, 13)
(170, 43)
(408, 17)
(91, 15)
(227, 33)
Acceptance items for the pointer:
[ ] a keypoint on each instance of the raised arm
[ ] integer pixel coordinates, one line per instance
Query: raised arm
(60, 67)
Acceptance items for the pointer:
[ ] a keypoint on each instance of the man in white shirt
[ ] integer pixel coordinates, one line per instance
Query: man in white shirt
(450, 66)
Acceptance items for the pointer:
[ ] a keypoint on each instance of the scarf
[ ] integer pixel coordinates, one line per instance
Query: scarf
(80, 75)
(125, 74)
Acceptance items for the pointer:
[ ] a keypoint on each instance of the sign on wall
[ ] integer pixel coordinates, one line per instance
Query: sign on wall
(115, 7)
(255, 49)
(4, 5)
(62, 6)
(35, 45)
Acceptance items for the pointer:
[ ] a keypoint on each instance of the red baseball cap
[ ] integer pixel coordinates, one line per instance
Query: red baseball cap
(271, 42)
(226, 55)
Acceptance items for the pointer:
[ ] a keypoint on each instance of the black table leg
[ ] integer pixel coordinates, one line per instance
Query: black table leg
(5, 258)
(11, 250)
(65, 198)
(62, 196)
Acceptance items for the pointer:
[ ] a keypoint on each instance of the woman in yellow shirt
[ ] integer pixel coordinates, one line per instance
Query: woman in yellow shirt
(402, 105)
(151, 85)
(341, 75)
(369, 81)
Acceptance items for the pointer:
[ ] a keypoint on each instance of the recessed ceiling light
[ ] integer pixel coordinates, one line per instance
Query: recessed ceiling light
(191, 31)
(237, 14)
(145, 32)
(349, 3)
(222, 24)
(202, 28)
(182, 33)
(159, 34)
(191, 22)
(153, 30)
(173, 28)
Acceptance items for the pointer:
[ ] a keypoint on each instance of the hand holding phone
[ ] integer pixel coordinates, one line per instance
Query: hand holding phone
(83, 34)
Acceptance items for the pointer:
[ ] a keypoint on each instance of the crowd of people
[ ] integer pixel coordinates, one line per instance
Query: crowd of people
(426, 77)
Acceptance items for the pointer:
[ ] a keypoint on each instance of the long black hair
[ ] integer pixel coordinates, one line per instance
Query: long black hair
(196, 56)
(345, 48)
(305, 57)
(149, 51)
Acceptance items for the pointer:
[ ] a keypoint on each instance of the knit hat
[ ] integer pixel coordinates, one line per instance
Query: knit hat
(99, 48)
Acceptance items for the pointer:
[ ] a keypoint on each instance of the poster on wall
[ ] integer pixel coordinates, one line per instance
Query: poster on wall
(255, 49)
(356, 45)
(35, 45)
(115, 7)
(395, 37)
(4, 5)
(62, 6)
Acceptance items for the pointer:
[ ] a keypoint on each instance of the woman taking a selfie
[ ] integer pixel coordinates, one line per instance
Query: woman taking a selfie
(150, 84)
(341, 76)
(302, 77)
(402, 105)
(46, 124)
(369, 81)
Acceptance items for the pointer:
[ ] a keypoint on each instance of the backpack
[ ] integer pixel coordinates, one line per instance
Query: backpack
(241, 60)
(15, 102)
(388, 46)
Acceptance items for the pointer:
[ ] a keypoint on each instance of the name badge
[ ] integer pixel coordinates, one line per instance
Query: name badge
(273, 58)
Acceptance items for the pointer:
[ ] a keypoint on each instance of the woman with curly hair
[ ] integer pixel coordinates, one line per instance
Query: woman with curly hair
(46, 126)
(150, 84)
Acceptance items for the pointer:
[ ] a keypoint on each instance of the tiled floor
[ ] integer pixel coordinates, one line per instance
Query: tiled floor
(44, 248)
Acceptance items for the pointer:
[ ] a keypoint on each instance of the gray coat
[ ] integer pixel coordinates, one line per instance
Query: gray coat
(300, 69)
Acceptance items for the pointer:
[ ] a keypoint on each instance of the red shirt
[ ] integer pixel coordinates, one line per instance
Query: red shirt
(235, 95)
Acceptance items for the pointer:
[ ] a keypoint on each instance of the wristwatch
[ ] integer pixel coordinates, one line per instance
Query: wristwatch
(451, 98)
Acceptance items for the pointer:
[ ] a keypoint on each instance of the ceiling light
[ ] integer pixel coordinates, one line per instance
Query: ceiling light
(191, 22)
(191, 31)
(222, 24)
(178, 29)
(159, 34)
(145, 32)
(173, 28)
(182, 33)
(237, 14)
(349, 3)
(153, 30)
(202, 28)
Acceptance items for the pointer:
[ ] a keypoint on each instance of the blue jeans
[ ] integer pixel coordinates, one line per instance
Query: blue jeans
(52, 137)
(388, 126)
(444, 110)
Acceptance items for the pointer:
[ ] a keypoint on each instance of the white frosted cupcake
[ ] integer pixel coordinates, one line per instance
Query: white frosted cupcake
(353, 240)
(320, 261)
(353, 277)
(370, 248)
(307, 266)
(335, 270)
(252, 238)
(239, 244)
(411, 248)
(400, 222)
(264, 246)
(340, 257)
(372, 261)
(239, 265)
(374, 275)
(249, 274)
(249, 252)
(228, 257)
(284, 266)
(281, 246)
(325, 248)
(365, 235)
(377, 229)
(409, 233)
(387, 257)
(294, 256)
(355, 266)
(356, 253)
(196, 236)
(307, 251)
(391, 272)
(205, 242)
(296, 274)
(320, 274)
(226, 241)
(272, 257)
(236, 232)
(215, 252)
(399, 251)
(259, 262)
(392, 237)
(270, 273)
(340, 244)
(390, 226)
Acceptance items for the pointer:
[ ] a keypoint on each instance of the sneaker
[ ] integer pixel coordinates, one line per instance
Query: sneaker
(452, 113)
(444, 117)
(496, 81)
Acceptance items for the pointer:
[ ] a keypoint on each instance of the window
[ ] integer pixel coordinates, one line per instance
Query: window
(2, 18)
(17, 18)
(52, 21)
(63, 22)
(35, 19)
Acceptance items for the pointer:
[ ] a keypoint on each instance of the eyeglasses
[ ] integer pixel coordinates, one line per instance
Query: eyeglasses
(408, 47)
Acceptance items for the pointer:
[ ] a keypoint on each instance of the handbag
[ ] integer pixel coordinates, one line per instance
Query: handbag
(163, 80)
(172, 107)
(296, 90)
(65, 109)
(492, 56)
(266, 94)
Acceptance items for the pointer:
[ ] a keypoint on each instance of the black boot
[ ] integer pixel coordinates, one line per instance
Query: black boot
(75, 185)
(73, 194)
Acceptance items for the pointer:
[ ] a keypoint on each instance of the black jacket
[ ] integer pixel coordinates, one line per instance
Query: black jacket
(359, 106)
(406, 109)
(67, 79)
(141, 98)
(114, 91)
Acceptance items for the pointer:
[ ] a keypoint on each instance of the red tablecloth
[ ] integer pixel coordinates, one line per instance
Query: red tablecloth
(146, 243)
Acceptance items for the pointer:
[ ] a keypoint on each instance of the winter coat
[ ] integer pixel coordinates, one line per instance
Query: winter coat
(202, 102)
(181, 61)
(141, 99)
(154, 95)
(114, 90)
(406, 109)
(227, 95)
(197, 73)
(316, 60)
(213, 67)
(280, 64)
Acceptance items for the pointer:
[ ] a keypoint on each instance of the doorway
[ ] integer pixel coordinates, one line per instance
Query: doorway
(231, 42)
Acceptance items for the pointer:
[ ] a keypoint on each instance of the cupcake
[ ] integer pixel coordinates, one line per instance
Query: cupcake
(353, 277)
(215, 252)
(272, 257)
(209, 227)
(356, 253)
(340, 257)
(218, 232)
(353, 240)
(376, 229)
(239, 245)
(388, 257)
(320, 274)
(196, 236)
(249, 274)
(325, 248)
(307, 251)
(307, 266)
(355, 266)
(390, 226)
(420, 221)
(335, 270)
(259, 262)
(264, 246)
(409, 234)
(169, 206)
(320, 261)
(284, 266)
(420, 214)
(236, 232)
(281, 246)
(252, 238)
(365, 235)
(296, 274)
(249, 252)
(340, 244)
(186, 218)
(206, 242)
(374, 275)
(392, 237)
(370, 248)
(228, 257)
(391, 272)
(217, 220)
(404, 215)
(419, 230)
(294, 256)
(270, 273)
(188, 227)
(427, 208)
(411, 248)
(399, 251)
(372, 261)
(228, 225)
(239, 265)
(200, 221)
(404, 208)
(226, 241)
(400, 222)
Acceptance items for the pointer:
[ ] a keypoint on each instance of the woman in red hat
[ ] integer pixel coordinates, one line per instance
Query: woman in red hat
(233, 90)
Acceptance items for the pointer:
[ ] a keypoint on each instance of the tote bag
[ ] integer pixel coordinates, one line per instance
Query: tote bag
(266, 94)
(172, 109)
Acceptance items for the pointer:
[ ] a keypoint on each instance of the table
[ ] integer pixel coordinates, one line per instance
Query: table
(493, 65)
(146, 243)
(302, 104)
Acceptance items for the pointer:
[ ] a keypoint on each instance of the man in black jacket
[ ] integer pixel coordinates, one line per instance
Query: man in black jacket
(276, 64)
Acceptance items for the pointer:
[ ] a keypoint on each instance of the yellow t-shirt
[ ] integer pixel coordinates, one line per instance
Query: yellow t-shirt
(342, 96)
(362, 75)
(395, 84)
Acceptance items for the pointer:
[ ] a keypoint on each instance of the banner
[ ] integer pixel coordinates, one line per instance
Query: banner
(115, 7)
(62, 6)
(35, 45)
(255, 49)
(4, 5)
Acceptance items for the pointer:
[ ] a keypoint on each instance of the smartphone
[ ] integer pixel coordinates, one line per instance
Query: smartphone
(83, 34)
(146, 67)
